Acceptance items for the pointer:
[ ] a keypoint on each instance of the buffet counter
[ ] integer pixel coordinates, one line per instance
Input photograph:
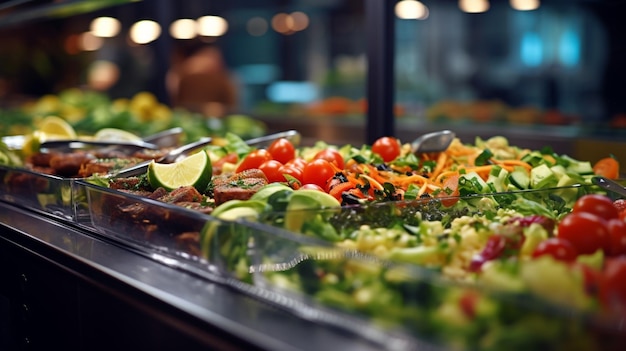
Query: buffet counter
(574, 140)
(65, 288)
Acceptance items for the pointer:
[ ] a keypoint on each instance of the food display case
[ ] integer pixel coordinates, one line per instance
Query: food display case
(88, 266)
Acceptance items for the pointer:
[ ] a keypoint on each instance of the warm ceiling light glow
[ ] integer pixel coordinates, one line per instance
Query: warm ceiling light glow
(411, 9)
(145, 31)
(257, 26)
(525, 5)
(89, 42)
(105, 27)
(290, 23)
(474, 6)
(299, 21)
(280, 22)
(212, 26)
(184, 28)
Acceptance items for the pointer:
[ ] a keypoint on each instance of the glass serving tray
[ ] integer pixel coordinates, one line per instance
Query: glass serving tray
(43, 193)
(398, 304)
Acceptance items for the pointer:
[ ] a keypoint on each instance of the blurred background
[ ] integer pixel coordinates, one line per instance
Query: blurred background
(541, 72)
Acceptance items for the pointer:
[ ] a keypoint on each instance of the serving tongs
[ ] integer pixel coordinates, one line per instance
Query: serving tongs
(610, 185)
(170, 157)
(178, 153)
(78, 144)
(167, 138)
(267, 140)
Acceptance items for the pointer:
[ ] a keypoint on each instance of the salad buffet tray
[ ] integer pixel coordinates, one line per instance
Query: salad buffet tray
(435, 270)
(397, 302)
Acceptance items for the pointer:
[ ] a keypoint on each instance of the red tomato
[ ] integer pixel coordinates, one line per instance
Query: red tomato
(282, 150)
(387, 147)
(558, 248)
(450, 191)
(620, 204)
(617, 237)
(318, 172)
(331, 155)
(297, 162)
(271, 169)
(254, 160)
(613, 285)
(586, 231)
(292, 171)
(598, 205)
(312, 187)
(229, 158)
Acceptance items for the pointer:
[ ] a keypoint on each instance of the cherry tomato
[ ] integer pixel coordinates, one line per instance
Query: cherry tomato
(282, 150)
(271, 169)
(229, 158)
(318, 172)
(613, 285)
(254, 159)
(617, 237)
(387, 147)
(558, 248)
(331, 155)
(596, 204)
(312, 187)
(587, 232)
(292, 171)
(297, 162)
(450, 191)
(620, 204)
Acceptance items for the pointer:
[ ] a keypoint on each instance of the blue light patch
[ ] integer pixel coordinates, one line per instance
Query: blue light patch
(569, 48)
(531, 49)
(290, 92)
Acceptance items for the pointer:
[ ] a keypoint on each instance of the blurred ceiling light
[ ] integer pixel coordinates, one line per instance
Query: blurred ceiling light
(211, 26)
(102, 75)
(290, 23)
(474, 6)
(89, 42)
(184, 28)
(299, 21)
(145, 31)
(525, 5)
(411, 9)
(105, 27)
(257, 26)
(280, 22)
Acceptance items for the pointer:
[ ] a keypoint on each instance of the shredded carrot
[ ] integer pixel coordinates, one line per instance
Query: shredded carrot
(509, 165)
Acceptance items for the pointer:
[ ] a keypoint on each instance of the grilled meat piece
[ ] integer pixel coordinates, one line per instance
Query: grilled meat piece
(239, 186)
(68, 165)
(106, 165)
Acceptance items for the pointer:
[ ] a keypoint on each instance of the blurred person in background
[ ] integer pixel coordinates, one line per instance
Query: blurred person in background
(199, 81)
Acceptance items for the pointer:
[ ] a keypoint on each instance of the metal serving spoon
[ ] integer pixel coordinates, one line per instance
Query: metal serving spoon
(433, 142)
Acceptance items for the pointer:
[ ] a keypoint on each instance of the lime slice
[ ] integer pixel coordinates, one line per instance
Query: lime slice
(114, 134)
(194, 170)
(53, 127)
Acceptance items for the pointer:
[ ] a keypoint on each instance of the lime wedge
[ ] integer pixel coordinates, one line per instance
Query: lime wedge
(194, 170)
(115, 134)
